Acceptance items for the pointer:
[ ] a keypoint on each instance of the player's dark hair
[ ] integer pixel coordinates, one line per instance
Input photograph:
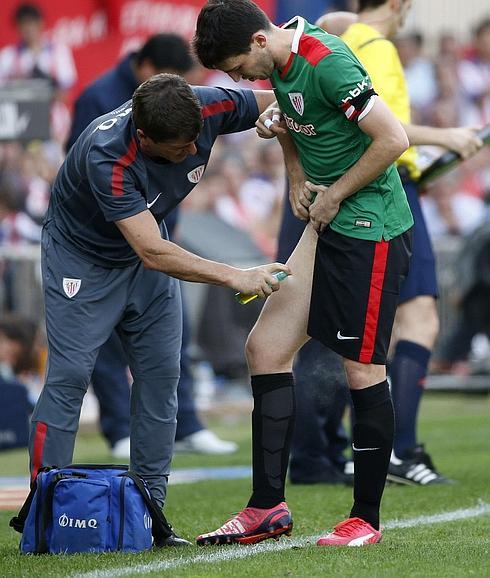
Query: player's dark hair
(25, 12)
(165, 108)
(225, 29)
(166, 51)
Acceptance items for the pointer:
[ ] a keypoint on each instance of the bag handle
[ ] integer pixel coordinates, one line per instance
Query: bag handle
(18, 522)
(160, 528)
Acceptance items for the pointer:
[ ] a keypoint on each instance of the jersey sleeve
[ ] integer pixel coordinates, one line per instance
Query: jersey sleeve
(114, 184)
(383, 65)
(344, 83)
(228, 110)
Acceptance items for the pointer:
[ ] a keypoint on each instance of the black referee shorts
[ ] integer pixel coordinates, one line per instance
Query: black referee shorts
(356, 286)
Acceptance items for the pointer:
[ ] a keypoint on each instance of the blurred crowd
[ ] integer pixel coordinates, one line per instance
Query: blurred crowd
(244, 184)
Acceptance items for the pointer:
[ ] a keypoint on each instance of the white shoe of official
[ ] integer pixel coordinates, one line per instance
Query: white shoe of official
(120, 451)
(205, 442)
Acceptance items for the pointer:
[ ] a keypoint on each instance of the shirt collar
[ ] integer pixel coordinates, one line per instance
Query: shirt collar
(300, 27)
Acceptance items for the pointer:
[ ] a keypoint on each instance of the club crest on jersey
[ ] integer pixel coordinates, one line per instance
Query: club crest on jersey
(71, 286)
(297, 101)
(195, 175)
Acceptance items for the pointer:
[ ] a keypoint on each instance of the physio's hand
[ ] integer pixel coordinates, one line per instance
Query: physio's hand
(325, 206)
(270, 123)
(463, 141)
(259, 280)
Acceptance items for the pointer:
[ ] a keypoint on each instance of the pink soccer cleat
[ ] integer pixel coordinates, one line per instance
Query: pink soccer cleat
(351, 532)
(250, 526)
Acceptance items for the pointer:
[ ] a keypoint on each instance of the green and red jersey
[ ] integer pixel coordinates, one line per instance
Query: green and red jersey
(320, 92)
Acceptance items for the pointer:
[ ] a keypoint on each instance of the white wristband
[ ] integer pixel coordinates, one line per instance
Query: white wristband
(276, 117)
(268, 123)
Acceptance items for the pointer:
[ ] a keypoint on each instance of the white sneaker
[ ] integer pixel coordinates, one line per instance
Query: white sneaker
(120, 451)
(205, 442)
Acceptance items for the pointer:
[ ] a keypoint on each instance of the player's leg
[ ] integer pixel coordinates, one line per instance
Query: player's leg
(318, 438)
(416, 328)
(278, 334)
(81, 305)
(354, 298)
(322, 393)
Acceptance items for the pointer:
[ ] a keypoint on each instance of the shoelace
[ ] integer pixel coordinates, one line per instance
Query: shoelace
(348, 528)
(242, 518)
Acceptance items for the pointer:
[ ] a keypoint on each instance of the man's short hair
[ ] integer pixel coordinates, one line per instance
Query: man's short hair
(26, 12)
(225, 29)
(166, 51)
(165, 108)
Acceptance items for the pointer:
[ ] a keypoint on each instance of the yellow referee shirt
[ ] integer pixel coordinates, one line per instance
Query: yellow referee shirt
(380, 58)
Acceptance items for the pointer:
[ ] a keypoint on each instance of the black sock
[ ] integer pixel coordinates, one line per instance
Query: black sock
(408, 371)
(272, 428)
(372, 444)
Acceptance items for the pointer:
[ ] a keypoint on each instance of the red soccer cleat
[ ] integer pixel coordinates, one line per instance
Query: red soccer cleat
(250, 526)
(351, 532)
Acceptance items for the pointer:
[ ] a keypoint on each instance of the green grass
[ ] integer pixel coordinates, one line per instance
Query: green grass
(457, 431)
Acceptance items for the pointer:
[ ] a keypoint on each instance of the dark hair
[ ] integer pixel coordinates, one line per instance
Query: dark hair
(415, 37)
(481, 27)
(25, 12)
(24, 332)
(225, 29)
(165, 108)
(365, 4)
(166, 51)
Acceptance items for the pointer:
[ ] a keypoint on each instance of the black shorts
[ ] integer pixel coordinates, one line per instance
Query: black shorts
(356, 286)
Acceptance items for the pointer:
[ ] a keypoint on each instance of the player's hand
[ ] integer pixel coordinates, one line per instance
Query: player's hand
(299, 197)
(463, 141)
(324, 208)
(271, 123)
(259, 280)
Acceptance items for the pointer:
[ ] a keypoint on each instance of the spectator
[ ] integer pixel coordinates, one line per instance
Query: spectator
(35, 56)
(15, 225)
(251, 202)
(18, 346)
(450, 210)
(449, 47)
(419, 74)
(474, 306)
(17, 363)
(474, 73)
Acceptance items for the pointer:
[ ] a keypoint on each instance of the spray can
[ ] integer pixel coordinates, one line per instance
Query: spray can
(243, 298)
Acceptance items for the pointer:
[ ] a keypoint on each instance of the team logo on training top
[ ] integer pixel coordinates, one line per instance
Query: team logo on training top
(297, 101)
(195, 175)
(71, 286)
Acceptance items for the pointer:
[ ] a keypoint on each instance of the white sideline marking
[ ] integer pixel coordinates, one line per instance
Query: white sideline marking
(226, 553)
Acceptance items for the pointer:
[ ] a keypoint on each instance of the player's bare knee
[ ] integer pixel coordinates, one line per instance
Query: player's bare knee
(418, 321)
(262, 358)
(362, 375)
